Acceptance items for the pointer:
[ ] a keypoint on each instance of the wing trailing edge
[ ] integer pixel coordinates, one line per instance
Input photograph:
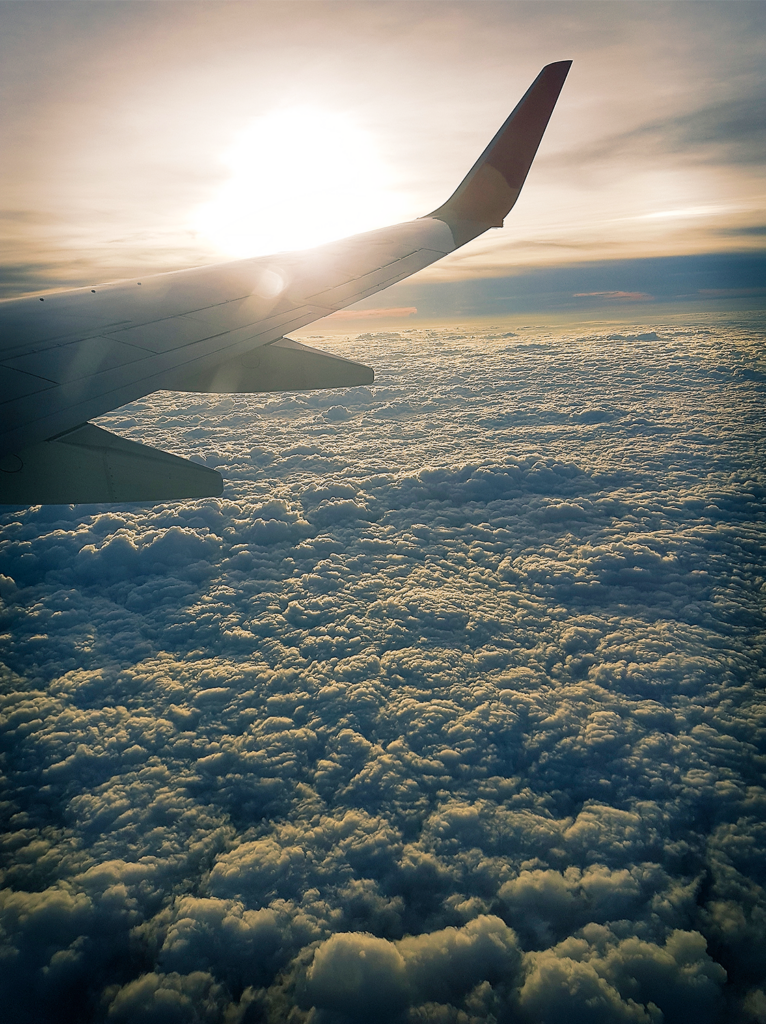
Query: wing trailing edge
(90, 464)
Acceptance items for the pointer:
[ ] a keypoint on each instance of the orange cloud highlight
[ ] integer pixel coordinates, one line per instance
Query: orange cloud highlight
(621, 296)
(366, 314)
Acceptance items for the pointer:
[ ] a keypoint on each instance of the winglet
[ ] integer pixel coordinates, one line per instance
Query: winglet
(488, 192)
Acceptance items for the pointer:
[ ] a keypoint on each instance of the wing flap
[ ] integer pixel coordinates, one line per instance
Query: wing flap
(90, 464)
(284, 365)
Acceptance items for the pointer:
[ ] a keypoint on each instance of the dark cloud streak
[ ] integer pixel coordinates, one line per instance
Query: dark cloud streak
(725, 133)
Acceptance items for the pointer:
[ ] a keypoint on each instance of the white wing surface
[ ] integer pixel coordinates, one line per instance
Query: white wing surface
(68, 357)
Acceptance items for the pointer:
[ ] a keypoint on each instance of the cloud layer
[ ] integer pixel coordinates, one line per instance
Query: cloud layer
(448, 711)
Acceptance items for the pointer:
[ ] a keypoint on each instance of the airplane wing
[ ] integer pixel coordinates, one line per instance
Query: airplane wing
(68, 357)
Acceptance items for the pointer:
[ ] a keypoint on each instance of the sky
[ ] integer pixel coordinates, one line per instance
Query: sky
(152, 136)
(449, 711)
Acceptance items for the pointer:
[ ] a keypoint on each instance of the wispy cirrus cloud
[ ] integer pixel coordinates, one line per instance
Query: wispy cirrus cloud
(622, 296)
(373, 314)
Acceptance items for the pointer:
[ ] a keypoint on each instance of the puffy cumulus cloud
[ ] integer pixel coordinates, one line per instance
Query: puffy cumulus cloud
(154, 998)
(553, 903)
(369, 978)
(241, 947)
(594, 976)
(448, 712)
(360, 976)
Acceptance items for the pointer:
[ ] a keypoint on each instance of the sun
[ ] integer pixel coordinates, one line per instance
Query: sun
(298, 177)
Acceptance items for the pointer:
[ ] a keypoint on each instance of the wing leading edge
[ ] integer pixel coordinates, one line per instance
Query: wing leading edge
(68, 357)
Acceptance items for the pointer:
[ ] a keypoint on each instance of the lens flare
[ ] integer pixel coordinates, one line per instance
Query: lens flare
(298, 177)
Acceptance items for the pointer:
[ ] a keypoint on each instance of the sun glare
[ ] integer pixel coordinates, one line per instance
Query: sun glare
(298, 177)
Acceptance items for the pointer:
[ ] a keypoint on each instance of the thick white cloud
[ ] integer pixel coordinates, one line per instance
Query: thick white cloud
(464, 680)
(369, 978)
(594, 977)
